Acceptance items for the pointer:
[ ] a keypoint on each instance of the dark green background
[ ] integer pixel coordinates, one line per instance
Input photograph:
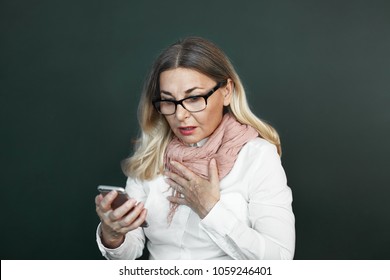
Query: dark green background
(71, 75)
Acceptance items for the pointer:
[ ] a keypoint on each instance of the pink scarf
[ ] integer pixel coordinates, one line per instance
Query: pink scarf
(223, 145)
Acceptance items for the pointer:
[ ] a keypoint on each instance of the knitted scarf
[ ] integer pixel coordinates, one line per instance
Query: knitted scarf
(223, 145)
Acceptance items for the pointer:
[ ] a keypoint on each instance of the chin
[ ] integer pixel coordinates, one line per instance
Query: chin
(187, 141)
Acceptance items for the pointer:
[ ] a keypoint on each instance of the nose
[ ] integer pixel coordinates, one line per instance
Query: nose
(181, 112)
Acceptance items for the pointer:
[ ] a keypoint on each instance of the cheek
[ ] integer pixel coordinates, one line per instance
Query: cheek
(170, 121)
(212, 119)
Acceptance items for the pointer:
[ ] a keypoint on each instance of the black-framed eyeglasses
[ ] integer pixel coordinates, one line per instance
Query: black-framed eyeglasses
(192, 104)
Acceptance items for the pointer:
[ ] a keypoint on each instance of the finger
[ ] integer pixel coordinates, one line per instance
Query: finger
(107, 200)
(136, 223)
(173, 180)
(122, 210)
(187, 173)
(213, 172)
(176, 186)
(101, 213)
(173, 184)
(177, 200)
(98, 199)
(141, 218)
(133, 214)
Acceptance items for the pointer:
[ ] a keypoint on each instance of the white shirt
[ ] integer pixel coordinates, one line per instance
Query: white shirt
(252, 220)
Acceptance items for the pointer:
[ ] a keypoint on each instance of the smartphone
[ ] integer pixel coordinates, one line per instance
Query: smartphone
(121, 198)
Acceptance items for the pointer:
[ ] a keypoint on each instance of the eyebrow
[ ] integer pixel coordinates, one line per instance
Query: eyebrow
(186, 92)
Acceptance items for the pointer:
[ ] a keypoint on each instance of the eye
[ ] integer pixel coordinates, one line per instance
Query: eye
(166, 97)
(194, 99)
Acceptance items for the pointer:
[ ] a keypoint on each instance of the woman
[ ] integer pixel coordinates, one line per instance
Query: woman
(206, 173)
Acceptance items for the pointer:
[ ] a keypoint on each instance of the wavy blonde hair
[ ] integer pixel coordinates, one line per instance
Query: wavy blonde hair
(205, 57)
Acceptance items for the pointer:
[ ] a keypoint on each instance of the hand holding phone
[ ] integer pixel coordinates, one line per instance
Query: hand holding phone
(121, 198)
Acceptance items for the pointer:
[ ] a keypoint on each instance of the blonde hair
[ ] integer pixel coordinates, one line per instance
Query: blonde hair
(205, 57)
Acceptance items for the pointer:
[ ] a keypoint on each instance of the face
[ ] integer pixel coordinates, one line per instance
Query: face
(180, 83)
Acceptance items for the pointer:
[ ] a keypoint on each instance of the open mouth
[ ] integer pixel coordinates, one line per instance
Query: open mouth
(187, 130)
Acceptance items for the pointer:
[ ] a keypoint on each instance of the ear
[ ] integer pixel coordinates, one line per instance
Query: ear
(228, 92)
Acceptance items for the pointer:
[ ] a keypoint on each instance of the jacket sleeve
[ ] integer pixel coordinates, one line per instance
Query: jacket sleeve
(270, 233)
(130, 249)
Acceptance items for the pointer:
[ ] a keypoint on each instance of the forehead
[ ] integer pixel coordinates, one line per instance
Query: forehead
(180, 79)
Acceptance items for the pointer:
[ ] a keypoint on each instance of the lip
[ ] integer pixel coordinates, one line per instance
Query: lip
(187, 130)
